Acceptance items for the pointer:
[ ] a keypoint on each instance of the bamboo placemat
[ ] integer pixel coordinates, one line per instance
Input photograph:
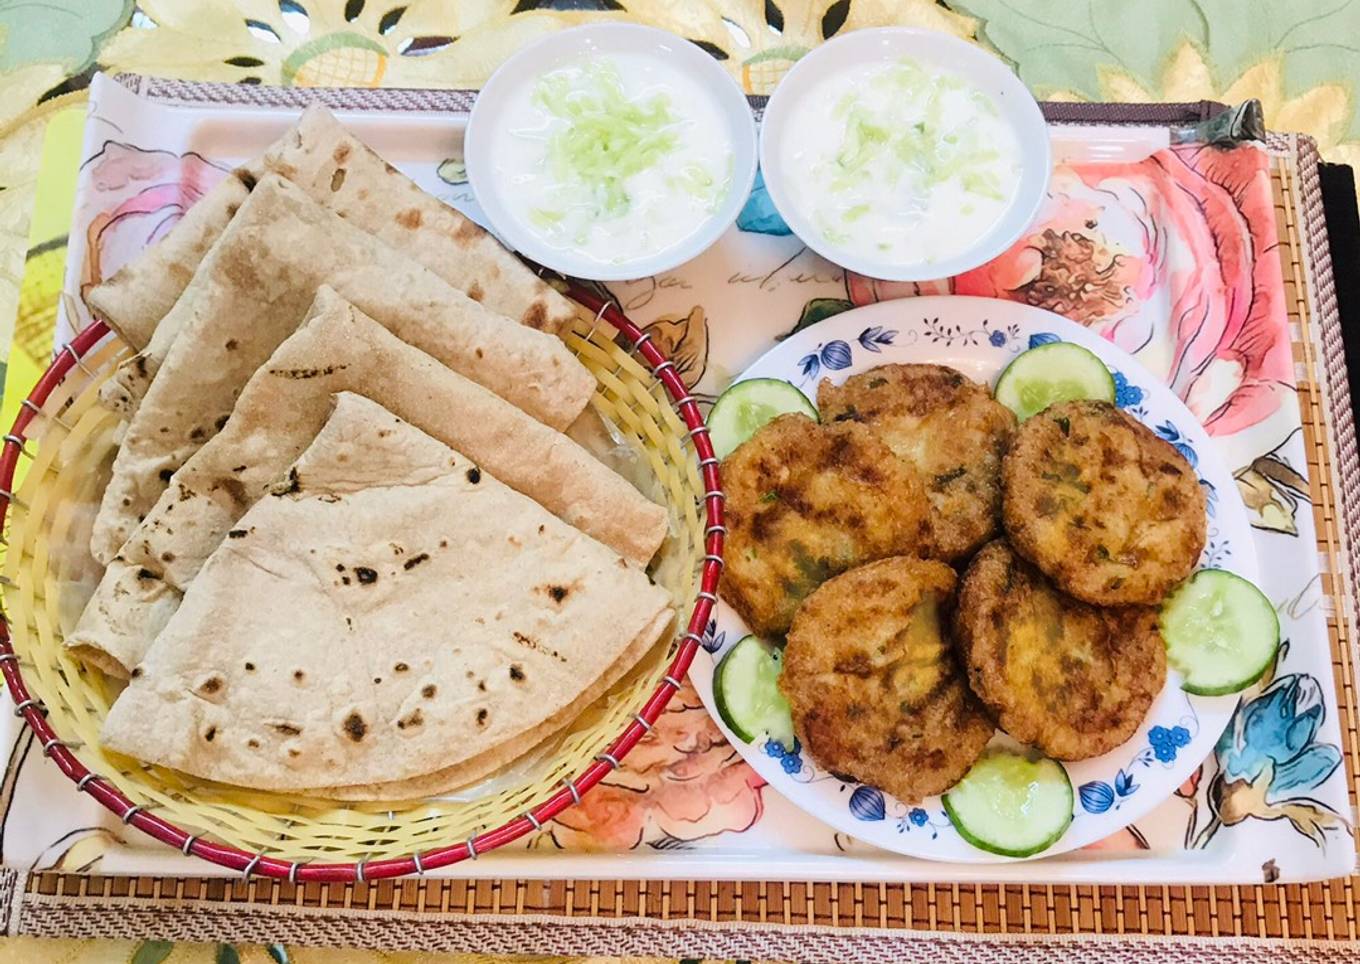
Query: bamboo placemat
(811, 921)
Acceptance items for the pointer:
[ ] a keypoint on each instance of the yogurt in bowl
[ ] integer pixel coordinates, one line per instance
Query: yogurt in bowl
(611, 151)
(904, 154)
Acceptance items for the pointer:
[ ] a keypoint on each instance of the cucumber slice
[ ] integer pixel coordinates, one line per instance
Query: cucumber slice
(746, 689)
(1221, 632)
(741, 410)
(1011, 804)
(1057, 372)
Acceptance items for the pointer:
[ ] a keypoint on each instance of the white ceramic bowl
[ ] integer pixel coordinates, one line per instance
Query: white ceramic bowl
(526, 66)
(972, 64)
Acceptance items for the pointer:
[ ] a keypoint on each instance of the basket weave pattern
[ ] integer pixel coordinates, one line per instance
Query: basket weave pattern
(64, 437)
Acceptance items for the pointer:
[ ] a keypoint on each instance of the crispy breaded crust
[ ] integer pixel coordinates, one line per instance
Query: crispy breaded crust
(875, 689)
(805, 502)
(946, 425)
(1071, 679)
(1110, 512)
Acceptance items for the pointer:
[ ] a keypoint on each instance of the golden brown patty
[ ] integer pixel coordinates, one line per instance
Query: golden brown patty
(804, 502)
(1072, 679)
(1110, 512)
(946, 425)
(876, 692)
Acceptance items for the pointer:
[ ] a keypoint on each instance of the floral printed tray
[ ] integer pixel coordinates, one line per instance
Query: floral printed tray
(1170, 252)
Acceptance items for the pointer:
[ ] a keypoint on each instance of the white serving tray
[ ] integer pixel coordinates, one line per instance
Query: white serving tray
(703, 814)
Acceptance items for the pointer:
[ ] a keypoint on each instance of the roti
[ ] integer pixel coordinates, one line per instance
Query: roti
(391, 612)
(341, 173)
(252, 291)
(140, 293)
(280, 411)
(345, 174)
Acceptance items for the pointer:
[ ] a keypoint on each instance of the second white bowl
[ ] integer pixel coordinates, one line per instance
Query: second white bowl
(973, 65)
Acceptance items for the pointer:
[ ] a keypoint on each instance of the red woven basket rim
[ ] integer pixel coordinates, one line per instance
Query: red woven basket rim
(33, 713)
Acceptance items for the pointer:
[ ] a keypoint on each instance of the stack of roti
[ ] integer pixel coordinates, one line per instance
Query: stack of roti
(347, 451)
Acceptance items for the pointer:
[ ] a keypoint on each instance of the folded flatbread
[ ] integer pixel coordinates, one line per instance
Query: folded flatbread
(140, 293)
(359, 631)
(498, 757)
(343, 174)
(252, 291)
(280, 411)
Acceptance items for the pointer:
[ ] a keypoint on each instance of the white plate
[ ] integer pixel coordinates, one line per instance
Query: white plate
(979, 336)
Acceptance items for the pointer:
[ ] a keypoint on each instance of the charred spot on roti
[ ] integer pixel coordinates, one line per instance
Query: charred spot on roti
(197, 433)
(299, 675)
(476, 293)
(474, 475)
(516, 672)
(443, 543)
(558, 593)
(232, 209)
(414, 718)
(146, 574)
(304, 373)
(231, 344)
(136, 671)
(210, 686)
(210, 733)
(414, 561)
(400, 667)
(337, 179)
(221, 420)
(238, 468)
(250, 667)
(285, 728)
(294, 751)
(409, 219)
(355, 727)
(167, 556)
(289, 485)
(344, 580)
(482, 714)
(365, 575)
(530, 643)
(236, 491)
(481, 685)
(341, 152)
(536, 316)
(246, 178)
(428, 691)
(253, 743)
(165, 474)
(467, 233)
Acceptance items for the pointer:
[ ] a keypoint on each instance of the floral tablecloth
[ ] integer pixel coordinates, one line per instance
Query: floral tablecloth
(1299, 59)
